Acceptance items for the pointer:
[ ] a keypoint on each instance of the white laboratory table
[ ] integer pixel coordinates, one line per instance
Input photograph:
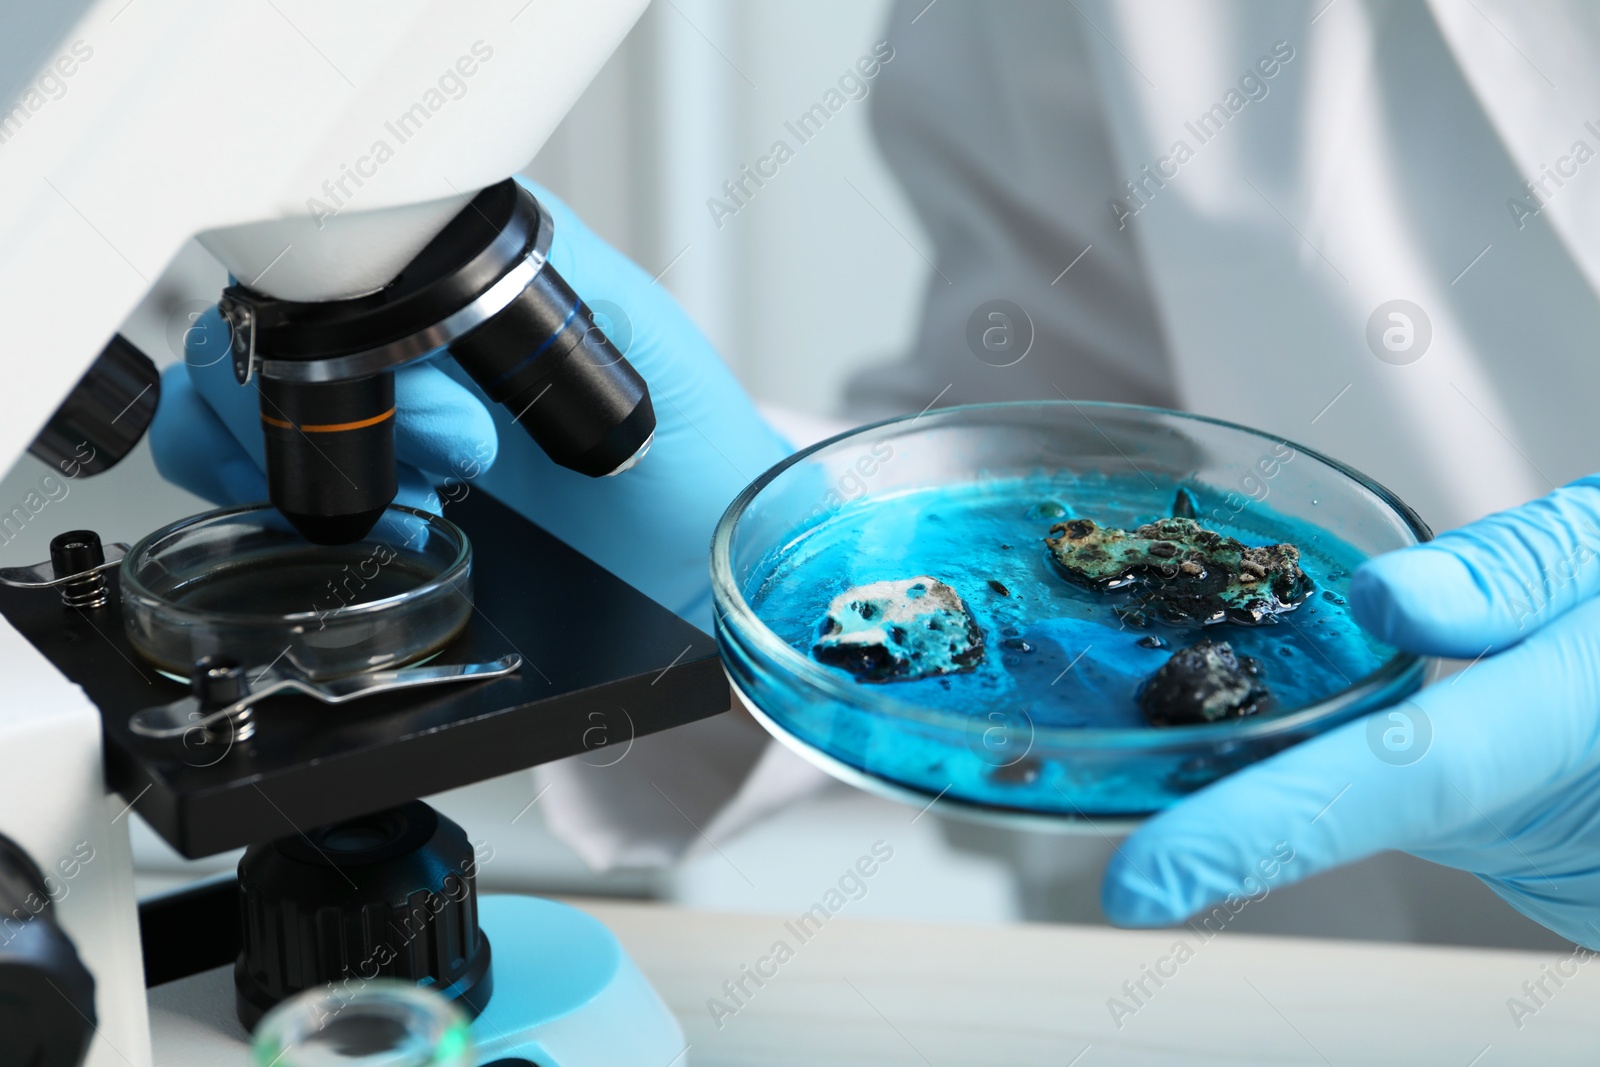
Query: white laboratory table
(883, 994)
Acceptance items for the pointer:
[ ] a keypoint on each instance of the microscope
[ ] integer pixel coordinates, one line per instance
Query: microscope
(350, 165)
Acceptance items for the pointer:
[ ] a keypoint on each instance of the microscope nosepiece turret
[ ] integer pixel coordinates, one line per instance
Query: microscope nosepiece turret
(481, 289)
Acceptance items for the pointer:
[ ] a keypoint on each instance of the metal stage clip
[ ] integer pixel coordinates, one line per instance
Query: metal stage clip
(222, 694)
(77, 566)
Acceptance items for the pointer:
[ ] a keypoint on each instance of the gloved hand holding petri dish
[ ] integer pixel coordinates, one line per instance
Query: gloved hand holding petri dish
(1494, 770)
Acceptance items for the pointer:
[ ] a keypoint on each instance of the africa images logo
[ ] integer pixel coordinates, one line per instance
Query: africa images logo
(1399, 332)
(1401, 735)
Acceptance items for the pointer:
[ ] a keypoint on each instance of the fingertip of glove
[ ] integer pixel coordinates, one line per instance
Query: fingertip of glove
(1131, 897)
(1426, 600)
(415, 490)
(444, 427)
(1378, 597)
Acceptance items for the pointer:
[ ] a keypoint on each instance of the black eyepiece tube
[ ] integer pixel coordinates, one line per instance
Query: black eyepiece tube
(544, 358)
(330, 454)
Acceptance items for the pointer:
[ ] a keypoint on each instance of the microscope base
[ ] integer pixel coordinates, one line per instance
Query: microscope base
(565, 995)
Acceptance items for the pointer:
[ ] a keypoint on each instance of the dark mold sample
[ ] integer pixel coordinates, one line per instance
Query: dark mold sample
(1205, 682)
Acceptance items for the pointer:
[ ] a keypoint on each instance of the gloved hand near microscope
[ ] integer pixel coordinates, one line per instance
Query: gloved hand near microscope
(1495, 771)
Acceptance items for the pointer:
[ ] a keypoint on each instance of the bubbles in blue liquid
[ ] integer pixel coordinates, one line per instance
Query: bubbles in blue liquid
(1062, 649)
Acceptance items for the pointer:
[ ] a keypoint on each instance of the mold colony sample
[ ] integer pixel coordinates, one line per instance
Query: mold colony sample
(1173, 573)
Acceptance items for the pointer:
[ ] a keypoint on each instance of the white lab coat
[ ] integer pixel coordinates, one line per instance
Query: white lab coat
(1381, 160)
(1392, 167)
(1385, 159)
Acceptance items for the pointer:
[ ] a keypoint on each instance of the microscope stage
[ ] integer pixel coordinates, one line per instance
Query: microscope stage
(602, 665)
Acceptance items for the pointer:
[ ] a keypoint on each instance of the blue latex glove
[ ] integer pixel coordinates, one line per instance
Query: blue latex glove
(651, 525)
(1508, 788)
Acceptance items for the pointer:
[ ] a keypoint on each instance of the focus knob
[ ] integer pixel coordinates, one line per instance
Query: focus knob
(105, 415)
(388, 895)
(47, 1015)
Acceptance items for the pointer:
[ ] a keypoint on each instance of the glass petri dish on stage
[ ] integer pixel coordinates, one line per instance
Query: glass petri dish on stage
(241, 582)
(1047, 728)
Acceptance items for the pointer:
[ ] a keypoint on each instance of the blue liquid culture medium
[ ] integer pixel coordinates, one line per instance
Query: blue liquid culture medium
(1049, 721)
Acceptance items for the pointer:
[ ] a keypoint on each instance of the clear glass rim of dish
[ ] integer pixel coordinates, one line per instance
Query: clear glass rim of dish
(733, 608)
(133, 588)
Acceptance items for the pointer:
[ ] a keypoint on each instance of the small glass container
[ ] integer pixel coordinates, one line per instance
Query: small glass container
(995, 761)
(241, 582)
(379, 1023)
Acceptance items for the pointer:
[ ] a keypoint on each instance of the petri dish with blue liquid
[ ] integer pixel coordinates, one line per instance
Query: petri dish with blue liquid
(1046, 719)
